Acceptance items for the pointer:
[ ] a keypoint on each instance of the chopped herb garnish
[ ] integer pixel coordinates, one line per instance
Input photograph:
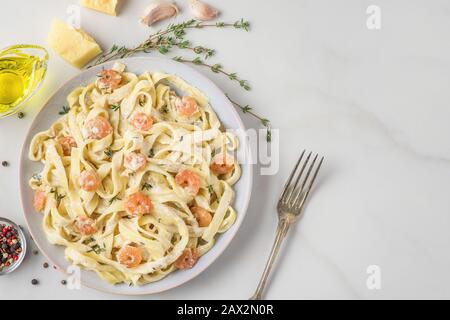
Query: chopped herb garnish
(114, 107)
(96, 248)
(146, 186)
(210, 189)
(64, 110)
(114, 199)
(109, 153)
(59, 197)
(164, 109)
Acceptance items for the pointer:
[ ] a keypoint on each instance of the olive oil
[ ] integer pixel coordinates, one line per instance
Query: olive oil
(22, 69)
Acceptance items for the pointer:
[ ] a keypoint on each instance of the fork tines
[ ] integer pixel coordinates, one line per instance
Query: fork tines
(299, 184)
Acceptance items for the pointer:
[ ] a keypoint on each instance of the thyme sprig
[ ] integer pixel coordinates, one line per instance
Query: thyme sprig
(166, 39)
(264, 121)
(216, 68)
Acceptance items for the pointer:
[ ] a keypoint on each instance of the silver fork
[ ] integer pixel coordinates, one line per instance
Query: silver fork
(290, 206)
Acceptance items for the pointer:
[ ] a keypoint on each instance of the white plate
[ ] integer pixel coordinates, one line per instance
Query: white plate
(49, 113)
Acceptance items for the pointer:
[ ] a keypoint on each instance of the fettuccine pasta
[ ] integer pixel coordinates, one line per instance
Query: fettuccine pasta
(136, 180)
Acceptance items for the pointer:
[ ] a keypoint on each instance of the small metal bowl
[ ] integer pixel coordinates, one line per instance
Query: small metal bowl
(23, 242)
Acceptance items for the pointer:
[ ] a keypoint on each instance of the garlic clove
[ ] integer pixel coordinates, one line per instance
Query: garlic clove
(157, 11)
(202, 11)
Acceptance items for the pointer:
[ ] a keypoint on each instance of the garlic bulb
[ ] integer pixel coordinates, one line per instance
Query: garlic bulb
(202, 11)
(158, 10)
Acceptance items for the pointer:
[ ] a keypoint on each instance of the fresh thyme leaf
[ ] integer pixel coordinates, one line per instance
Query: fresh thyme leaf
(146, 186)
(65, 110)
(197, 61)
(163, 49)
(246, 109)
(232, 76)
(242, 24)
(216, 68)
(265, 122)
(114, 107)
(183, 44)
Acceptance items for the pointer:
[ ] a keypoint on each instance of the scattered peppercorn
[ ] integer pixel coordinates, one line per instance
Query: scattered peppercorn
(54, 267)
(35, 252)
(20, 115)
(10, 246)
(34, 282)
(63, 282)
(45, 265)
(5, 163)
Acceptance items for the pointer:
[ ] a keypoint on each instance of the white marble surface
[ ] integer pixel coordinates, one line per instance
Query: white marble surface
(375, 103)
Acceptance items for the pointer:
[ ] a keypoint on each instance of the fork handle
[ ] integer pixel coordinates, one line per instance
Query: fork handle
(283, 227)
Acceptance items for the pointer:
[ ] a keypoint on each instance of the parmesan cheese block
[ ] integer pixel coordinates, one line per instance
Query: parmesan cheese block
(73, 45)
(105, 6)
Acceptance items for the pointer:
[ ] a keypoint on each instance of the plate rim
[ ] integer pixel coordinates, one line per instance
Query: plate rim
(248, 191)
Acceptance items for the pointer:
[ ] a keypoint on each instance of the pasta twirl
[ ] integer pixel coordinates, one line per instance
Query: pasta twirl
(136, 180)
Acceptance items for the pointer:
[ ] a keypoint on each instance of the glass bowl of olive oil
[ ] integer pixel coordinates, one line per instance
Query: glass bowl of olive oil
(22, 71)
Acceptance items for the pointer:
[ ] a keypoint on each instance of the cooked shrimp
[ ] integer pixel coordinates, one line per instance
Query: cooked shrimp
(85, 225)
(130, 256)
(141, 121)
(67, 143)
(202, 215)
(138, 204)
(222, 163)
(89, 180)
(39, 200)
(98, 128)
(109, 80)
(187, 259)
(187, 106)
(134, 161)
(189, 179)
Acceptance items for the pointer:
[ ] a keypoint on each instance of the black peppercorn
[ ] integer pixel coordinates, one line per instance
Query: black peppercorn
(5, 163)
(35, 252)
(34, 282)
(45, 265)
(63, 282)
(20, 115)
